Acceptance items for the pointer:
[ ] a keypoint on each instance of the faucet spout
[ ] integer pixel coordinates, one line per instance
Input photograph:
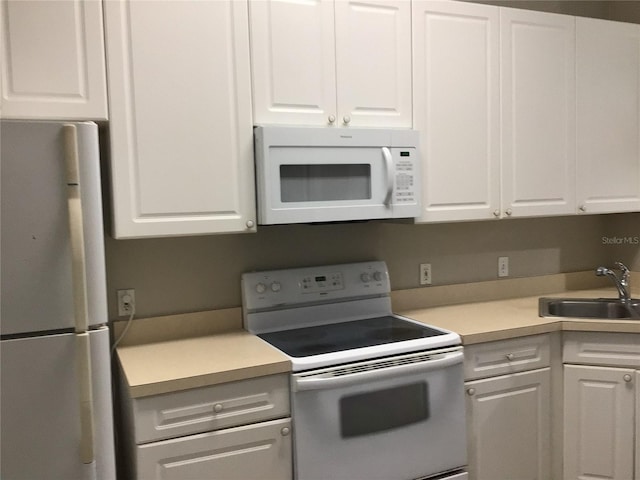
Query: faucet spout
(621, 282)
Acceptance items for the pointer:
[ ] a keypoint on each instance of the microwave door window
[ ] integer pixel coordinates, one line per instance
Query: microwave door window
(325, 182)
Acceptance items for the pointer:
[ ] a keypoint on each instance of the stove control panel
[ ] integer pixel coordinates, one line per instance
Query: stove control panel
(323, 284)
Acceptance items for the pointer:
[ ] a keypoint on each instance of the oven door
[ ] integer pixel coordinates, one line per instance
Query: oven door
(391, 418)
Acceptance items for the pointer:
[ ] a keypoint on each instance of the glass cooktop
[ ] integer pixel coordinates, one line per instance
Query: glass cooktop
(335, 337)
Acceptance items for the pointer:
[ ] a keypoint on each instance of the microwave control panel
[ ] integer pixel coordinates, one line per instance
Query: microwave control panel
(404, 191)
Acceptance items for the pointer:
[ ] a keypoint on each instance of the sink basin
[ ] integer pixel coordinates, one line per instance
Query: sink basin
(604, 308)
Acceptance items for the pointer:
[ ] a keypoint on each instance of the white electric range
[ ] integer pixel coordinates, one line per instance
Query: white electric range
(374, 395)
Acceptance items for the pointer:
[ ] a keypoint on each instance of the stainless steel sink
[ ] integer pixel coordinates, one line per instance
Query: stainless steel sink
(604, 308)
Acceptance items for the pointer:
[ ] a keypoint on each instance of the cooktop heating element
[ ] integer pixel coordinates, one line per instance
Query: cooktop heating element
(327, 315)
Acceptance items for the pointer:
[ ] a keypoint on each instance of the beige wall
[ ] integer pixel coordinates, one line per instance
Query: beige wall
(621, 239)
(173, 275)
(198, 273)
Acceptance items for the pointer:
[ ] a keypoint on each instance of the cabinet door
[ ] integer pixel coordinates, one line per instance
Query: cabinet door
(538, 113)
(181, 128)
(598, 422)
(52, 60)
(456, 108)
(608, 116)
(259, 451)
(509, 426)
(293, 61)
(373, 62)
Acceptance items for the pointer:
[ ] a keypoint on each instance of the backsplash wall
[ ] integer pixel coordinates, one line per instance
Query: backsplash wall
(186, 274)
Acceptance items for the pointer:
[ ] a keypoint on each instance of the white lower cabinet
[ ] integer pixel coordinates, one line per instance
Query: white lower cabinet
(601, 406)
(232, 431)
(260, 451)
(509, 425)
(509, 416)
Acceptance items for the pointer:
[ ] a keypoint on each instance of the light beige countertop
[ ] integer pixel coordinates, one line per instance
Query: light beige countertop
(517, 317)
(168, 366)
(178, 352)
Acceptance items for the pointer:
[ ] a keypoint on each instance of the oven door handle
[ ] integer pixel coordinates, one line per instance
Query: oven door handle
(323, 382)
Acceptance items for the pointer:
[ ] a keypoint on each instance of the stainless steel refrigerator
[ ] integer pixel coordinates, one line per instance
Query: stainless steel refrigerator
(55, 374)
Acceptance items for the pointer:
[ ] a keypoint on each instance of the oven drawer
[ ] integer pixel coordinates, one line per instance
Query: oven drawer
(507, 356)
(211, 408)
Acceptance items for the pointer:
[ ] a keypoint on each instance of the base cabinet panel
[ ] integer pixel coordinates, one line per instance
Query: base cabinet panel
(509, 426)
(258, 451)
(599, 422)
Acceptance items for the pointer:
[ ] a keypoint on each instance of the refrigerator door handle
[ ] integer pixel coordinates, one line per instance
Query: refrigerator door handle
(83, 361)
(79, 280)
(76, 229)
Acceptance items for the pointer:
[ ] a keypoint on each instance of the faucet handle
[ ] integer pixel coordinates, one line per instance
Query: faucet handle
(622, 267)
(625, 271)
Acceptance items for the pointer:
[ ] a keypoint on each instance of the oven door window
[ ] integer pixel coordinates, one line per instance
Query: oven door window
(325, 182)
(381, 410)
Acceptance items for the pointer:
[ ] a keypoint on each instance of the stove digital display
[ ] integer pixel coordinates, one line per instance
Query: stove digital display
(321, 279)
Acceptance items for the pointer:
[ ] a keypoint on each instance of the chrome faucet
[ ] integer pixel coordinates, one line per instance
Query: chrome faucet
(622, 282)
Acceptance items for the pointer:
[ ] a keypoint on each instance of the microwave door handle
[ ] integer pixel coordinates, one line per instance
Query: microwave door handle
(300, 384)
(388, 161)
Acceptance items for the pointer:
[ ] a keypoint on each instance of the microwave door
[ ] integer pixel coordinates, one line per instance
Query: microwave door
(330, 184)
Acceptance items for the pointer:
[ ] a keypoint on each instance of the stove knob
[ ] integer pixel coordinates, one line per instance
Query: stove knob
(377, 276)
(365, 277)
(275, 287)
(260, 288)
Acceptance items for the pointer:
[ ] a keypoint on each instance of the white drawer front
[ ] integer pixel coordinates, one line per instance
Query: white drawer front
(211, 408)
(506, 356)
(607, 349)
(261, 451)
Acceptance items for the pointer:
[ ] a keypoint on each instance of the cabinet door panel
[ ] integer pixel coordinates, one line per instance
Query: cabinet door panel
(608, 113)
(258, 451)
(599, 427)
(538, 113)
(181, 128)
(52, 60)
(456, 108)
(373, 62)
(293, 61)
(509, 425)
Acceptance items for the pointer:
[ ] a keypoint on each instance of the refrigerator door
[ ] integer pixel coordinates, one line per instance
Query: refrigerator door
(35, 258)
(40, 408)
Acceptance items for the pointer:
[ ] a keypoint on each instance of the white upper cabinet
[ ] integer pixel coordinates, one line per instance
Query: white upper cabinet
(538, 113)
(293, 61)
(326, 62)
(52, 60)
(373, 62)
(608, 113)
(456, 108)
(181, 128)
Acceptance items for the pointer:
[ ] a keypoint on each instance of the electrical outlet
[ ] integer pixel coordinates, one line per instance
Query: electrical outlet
(425, 274)
(126, 302)
(503, 266)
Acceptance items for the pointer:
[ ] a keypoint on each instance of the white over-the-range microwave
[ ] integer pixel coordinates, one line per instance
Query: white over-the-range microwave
(314, 174)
